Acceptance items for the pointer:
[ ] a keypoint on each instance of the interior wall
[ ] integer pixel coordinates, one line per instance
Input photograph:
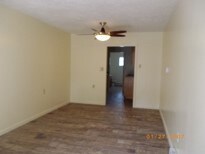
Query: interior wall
(34, 68)
(129, 54)
(182, 99)
(116, 71)
(88, 68)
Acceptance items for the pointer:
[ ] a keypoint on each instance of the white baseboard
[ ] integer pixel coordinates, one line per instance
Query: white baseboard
(136, 105)
(172, 149)
(143, 107)
(88, 103)
(18, 124)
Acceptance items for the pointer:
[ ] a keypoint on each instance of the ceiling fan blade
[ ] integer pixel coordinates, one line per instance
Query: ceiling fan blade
(118, 31)
(116, 35)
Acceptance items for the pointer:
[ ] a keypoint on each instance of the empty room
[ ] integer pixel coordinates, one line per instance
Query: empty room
(102, 77)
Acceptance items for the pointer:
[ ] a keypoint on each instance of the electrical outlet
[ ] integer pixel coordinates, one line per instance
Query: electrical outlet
(44, 91)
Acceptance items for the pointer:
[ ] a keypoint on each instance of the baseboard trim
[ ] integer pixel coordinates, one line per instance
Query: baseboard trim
(166, 129)
(87, 103)
(135, 105)
(147, 108)
(21, 123)
(172, 149)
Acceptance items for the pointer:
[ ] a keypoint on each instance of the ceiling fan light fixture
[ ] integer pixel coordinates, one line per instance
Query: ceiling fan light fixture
(102, 36)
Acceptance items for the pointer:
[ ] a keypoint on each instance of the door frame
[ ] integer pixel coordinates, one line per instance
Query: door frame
(107, 68)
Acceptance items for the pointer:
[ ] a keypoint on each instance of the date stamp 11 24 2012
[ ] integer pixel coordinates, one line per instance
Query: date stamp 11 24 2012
(164, 136)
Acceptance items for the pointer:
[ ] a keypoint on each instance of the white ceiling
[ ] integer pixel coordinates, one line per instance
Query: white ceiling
(79, 16)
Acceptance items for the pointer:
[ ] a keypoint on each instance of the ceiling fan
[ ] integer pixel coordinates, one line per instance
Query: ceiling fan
(103, 35)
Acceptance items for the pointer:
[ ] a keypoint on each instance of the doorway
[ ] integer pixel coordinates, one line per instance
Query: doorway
(120, 76)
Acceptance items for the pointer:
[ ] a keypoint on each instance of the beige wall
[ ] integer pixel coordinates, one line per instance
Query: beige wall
(183, 99)
(33, 57)
(89, 55)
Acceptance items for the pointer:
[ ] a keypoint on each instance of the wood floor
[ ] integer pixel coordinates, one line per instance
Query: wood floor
(88, 129)
(115, 98)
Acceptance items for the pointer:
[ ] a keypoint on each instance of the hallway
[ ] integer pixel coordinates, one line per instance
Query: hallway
(116, 99)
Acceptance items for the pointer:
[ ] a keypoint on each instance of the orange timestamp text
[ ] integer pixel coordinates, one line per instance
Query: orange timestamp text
(163, 136)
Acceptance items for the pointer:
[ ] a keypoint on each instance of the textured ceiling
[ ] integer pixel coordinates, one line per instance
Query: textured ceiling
(79, 16)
